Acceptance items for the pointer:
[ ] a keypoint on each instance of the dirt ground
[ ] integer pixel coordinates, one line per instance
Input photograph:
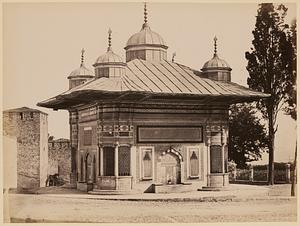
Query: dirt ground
(38, 208)
(44, 208)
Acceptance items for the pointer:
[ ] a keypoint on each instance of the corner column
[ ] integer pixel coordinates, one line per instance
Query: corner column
(117, 159)
(223, 143)
(117, 164)
(208, 136)
(101, 160)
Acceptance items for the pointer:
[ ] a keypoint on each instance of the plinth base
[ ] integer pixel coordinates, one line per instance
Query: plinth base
(218, 180)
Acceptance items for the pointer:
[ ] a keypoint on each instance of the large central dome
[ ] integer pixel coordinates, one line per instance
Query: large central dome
(146, 37)
(146, 44)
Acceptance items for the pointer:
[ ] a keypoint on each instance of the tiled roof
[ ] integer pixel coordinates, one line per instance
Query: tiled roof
(162, 77)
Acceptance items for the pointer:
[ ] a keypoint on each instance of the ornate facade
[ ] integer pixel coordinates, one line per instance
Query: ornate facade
(150, 125)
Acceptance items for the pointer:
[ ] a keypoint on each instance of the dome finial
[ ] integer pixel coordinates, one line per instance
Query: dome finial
(82, 57)
(109, 39)
(145, 12)
(215, 44)
(145, 15)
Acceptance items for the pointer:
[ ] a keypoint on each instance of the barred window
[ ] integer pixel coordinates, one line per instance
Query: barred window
(226, 158)
(216, 159)
(108, 161)
(94, 169)
(81, 168)
(124, 161)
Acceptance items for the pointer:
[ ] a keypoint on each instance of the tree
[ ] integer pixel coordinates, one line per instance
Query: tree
(291, 102)
(248, 137)
(269, 66)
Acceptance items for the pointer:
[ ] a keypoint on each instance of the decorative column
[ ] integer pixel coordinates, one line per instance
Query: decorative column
(117, 165)
(101, 160)
(208, 141)
(182, 170)
(223, 143)
(117, 159)
(84, 171)
(133, 164)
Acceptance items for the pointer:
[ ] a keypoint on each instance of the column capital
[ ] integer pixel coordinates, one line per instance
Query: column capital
(208, 139)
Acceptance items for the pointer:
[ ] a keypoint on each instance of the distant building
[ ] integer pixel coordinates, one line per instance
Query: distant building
(149, 124)
(59, 158)
(25, 149)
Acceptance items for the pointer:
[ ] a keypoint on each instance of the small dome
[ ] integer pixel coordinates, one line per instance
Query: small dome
(215, 63)
(82, 71)
(109, 57)
(146, 37)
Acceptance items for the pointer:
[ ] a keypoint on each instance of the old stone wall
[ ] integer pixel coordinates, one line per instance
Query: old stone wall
(43, 149)
(59, 158)
(25, 126)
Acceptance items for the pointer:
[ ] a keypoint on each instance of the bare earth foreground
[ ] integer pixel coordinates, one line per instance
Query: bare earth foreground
(45, 208)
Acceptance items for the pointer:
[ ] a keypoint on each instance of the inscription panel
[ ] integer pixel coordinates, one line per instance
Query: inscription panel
(163, 134)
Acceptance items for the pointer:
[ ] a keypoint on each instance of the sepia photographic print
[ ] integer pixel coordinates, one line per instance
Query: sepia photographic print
(149, 112)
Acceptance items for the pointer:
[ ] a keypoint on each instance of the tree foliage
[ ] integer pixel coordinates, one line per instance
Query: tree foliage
(270, 67)
(291, 101)
(270, 59)
(248, 137)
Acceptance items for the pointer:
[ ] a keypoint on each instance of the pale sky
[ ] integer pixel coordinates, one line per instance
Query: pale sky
(42, 44)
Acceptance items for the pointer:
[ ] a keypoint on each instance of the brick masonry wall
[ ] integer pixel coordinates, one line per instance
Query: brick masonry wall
(59, 158)
(26, 128)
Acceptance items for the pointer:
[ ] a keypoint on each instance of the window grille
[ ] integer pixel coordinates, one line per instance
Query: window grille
(215, 159)
(124, 161)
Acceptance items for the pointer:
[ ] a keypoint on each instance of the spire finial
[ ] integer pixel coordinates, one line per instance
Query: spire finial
(215, 44)
(82, 56)
(145, 12)
(109, 39)
(145, 24)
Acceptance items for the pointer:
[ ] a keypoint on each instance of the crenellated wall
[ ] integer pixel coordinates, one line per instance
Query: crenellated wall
(60, 158)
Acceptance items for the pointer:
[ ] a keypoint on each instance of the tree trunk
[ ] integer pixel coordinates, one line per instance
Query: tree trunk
(294, 176)
(271, 148)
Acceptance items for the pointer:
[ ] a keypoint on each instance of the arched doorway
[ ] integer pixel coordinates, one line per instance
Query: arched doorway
(170, 167)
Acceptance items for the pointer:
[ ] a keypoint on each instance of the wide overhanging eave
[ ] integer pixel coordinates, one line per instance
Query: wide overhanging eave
(87, 96)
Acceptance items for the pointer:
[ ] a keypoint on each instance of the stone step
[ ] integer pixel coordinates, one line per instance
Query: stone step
(71, 186)
(176, 188)
(225, 188)
(111, 192)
